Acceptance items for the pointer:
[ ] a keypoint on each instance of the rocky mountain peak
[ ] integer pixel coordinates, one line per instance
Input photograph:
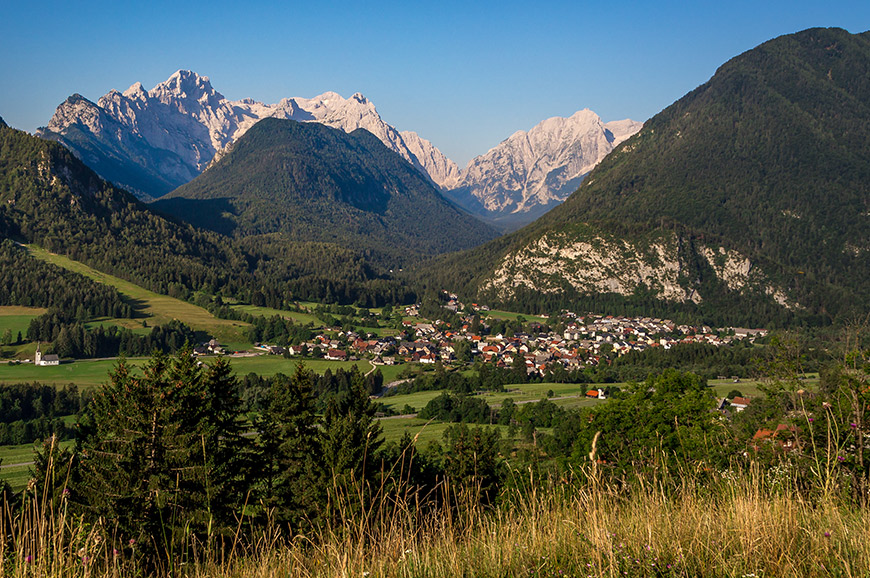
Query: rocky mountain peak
(532, 171)
(183, 124)
(136, 91)
(188, 86)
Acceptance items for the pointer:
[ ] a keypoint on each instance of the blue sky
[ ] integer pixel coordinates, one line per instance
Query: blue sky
(465, 75)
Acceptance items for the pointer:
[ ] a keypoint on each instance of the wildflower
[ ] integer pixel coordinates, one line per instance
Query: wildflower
(841, 458)
(853, 425)
(811, 420)
(827, 534)
(28, 559)
(132, 542)
(115, 552)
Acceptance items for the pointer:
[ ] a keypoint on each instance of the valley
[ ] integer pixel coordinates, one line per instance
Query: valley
(240, 338)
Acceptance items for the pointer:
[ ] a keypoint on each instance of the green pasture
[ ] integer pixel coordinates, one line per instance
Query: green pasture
(416, 400)
(15, 318)
(89, 373)
(158, 309)
(300, 318)
(268, 365)
(11, 456)
(425, 431)
(391, 372)
(572, 396)
(134, 325)
(535, 391)
(510, 315)
(83, 372)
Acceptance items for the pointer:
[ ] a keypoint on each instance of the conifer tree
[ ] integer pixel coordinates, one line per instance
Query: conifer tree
(149, 450)
(351, 435)
(289, 450)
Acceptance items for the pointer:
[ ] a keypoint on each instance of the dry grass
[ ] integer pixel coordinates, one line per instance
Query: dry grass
(739, 527)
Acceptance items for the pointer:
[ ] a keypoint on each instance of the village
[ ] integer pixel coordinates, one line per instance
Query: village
(572, 341)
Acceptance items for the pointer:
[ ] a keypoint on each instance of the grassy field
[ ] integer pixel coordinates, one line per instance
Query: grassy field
(301, 318)
(267, 365)
(84, 372)
(89, 373)
(17, 318)
(574, 394)
(416, 400)
(157, 309)
(425, 431)
(18, 475)
(391, 372)
(496, 314)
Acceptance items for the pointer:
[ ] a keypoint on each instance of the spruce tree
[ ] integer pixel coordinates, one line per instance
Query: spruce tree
(290, 450)
(351, 438)
(150, 447)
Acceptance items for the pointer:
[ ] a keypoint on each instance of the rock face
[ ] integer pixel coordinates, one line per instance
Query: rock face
(154, 141)
(533, 171)
(588, 260)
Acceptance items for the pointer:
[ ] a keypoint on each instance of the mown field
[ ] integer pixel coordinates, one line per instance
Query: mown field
(156, 309)
(16, 462)
(268, 365)
(15, 318)
(423, 430)
(567, 395)
(300, 318)
(510, 315)
(93, 372)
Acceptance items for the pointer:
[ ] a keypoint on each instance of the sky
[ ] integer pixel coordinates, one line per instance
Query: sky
(464, 75)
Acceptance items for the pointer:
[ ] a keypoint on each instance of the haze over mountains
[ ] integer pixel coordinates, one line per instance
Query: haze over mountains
(154, 141)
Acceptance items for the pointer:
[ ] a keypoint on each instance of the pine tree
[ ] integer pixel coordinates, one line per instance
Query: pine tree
(149, 450)
(290, 449)
(351, 437)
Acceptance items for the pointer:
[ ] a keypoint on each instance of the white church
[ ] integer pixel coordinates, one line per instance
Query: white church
(40, 359)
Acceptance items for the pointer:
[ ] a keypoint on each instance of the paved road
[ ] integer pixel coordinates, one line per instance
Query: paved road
(4, 466)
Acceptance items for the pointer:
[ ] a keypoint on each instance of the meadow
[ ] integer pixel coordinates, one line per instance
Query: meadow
(14, 318)
(564, 394)
(745, 522)
(300, 318)
(155, 308)
(93, 372)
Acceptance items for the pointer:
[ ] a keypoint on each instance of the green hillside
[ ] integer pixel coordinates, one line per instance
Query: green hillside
(310, 182)
(155, 309)
(765, 165)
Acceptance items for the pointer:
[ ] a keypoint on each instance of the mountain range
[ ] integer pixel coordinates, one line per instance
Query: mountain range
(153, 141)
(748, 199)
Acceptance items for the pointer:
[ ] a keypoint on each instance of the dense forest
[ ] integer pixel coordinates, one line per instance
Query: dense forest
(310, 182)
(49, 198)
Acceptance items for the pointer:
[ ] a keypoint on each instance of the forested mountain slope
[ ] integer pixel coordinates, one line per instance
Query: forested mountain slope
(749, 198)
(310, 182)
(50, 198)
